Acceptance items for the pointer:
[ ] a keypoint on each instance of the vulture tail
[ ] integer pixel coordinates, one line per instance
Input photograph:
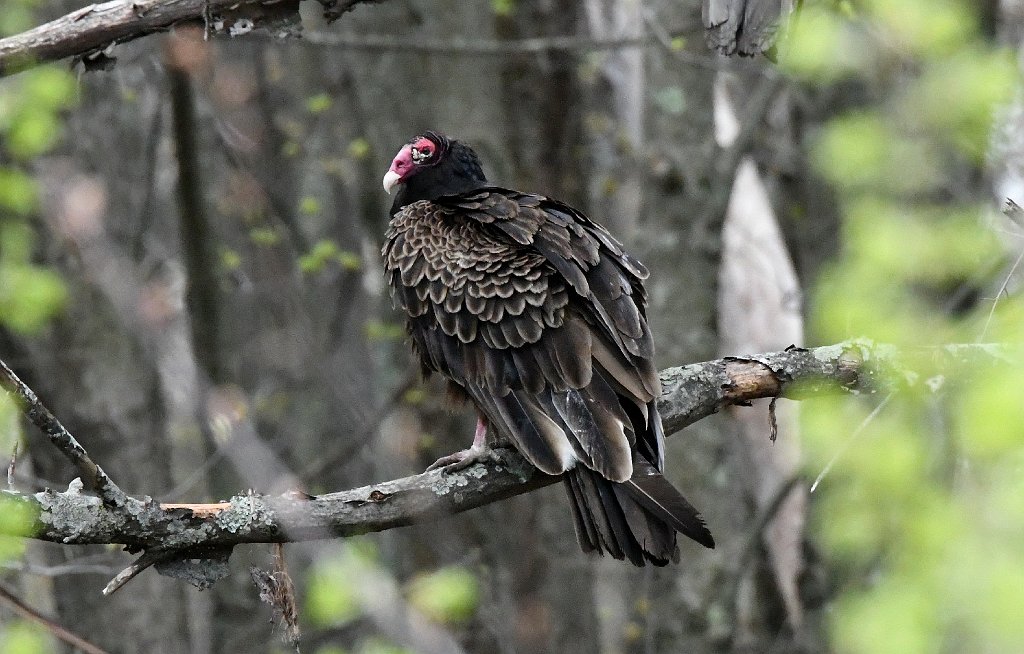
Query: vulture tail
(636, 520)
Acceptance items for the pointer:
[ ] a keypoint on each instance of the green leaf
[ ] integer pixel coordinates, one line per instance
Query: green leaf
(503, 8)
(29, 297)
(309, 206)
(823, 46)
(17, 191)
(230, 259)
(333, 595)
(359, 148)
(19, 637)
(314, 261)
(17, 517)
(376, 645)
(378, 330)
(447, 595)
(32, 133)
(49, 88)
(924, 27)
(319, 103)
(264, 236)
(350, 260)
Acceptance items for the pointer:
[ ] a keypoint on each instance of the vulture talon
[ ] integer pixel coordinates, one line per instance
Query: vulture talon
(463, 459)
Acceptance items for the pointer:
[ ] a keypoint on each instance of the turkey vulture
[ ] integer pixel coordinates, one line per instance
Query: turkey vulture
(536, 314)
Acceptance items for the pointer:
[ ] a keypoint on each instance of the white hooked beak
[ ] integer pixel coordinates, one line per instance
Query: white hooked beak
(391, 180)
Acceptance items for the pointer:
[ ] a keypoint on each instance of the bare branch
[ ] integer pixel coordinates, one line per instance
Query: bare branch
(690, 393)
(142, 563)
(90, 30)
(61, 438)
(26, 611)
(93, 28)
(460, 47)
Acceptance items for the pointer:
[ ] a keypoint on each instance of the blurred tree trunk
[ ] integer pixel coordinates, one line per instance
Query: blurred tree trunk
(760, 309)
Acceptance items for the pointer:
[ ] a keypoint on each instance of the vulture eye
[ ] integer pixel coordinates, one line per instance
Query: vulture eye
(421, 153)
(422, 150)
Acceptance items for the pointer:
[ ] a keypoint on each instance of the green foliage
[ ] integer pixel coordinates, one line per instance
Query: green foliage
(264, 236)
(30, 125)
(17, 192)
(16, 518)
(822, 46)
(380, 646)
(20, 637)
(446, 595)
(379, 330)
(319, 103)
(326, 251)
(503, 8)
(359, 148)
(29, 110)
(924, 510)
(310, 206)
(29, 296)
(230, 259)
(335, 584)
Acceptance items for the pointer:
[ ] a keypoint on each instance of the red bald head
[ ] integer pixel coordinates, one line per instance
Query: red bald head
(421, 151)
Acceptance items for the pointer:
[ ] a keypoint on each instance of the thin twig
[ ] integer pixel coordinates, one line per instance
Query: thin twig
(708, 224)
(58, 631)
(59, 570)
(461, 47)
(11, 465)
(196, 475)
(1002, 290)
(849, 441)
(754, 537)
(365, 433)
(767, 515)
(149, 558)
(92, 474)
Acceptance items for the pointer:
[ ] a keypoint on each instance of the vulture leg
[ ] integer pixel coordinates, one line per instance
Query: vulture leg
(477, 453)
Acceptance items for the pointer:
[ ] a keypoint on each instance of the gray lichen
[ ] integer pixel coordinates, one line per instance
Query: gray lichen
(245, 513)
(449, 481)
(70, 513)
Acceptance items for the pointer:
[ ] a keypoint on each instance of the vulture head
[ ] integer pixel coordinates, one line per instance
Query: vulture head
(431, 165)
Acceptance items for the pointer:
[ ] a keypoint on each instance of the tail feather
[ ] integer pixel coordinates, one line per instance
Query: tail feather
(635, 520)
(651, 490)
(609, 525)
(654, 536)
(586, 529)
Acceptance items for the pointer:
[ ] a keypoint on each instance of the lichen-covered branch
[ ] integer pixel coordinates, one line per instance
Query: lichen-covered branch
(97, 26)
(690, 393)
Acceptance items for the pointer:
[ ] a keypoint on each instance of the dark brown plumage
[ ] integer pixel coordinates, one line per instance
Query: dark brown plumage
(537, 315)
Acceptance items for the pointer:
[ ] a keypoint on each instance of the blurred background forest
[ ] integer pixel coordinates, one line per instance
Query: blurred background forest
(190, 278)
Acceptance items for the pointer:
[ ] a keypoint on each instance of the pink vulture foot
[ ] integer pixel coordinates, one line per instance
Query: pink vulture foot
(478, 453)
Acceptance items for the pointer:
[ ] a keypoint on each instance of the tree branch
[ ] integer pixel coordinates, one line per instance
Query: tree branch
(62, 439)
(97, 26)
(90, 30)
(690, 393)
